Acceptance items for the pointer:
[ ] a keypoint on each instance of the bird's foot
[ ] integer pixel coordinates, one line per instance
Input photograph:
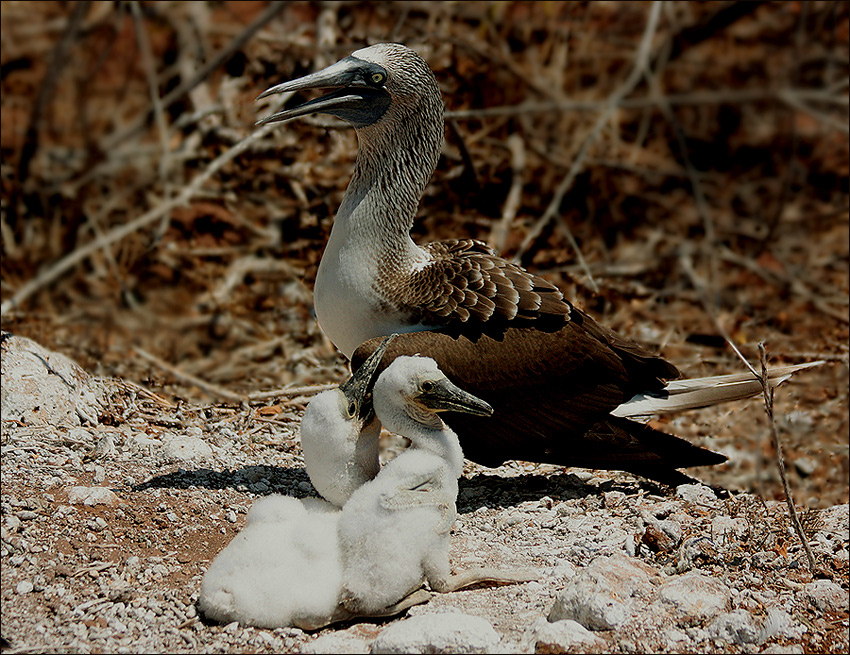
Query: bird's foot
(481, 575)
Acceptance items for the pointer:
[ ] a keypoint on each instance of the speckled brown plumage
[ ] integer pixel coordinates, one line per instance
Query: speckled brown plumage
(466, 286)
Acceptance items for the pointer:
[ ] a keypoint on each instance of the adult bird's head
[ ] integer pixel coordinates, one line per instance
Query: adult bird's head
(389, 94)
(386, 80)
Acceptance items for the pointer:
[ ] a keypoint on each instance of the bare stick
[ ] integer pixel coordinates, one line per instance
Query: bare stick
(156, 101)
(780, 461)
(768, 402)
(80, 254)
(215, 62)
(719, 96)
(291, 392)
(58, 59)
(613, 103)
(699, 197)
(499, 233)
(209, 387)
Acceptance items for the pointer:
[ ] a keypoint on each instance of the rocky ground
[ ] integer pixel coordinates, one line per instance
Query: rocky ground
(114, 501)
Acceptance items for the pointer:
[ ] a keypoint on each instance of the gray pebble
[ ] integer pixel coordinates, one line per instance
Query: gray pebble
(694, 596)
(736, 627)
(602, 596)
(445, 632)
(24, 587)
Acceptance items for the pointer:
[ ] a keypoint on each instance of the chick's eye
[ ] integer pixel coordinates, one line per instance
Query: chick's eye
(352, 408)
(377, 78)
(427, 386)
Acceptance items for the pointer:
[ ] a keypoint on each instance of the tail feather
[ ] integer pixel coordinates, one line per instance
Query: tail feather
(680, 395)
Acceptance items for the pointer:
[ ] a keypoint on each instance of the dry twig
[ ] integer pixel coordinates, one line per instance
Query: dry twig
(209, 387)
(641, 62)
(780, 460)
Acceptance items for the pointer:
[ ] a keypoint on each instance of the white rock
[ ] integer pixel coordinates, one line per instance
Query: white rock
(725, 529)
(693, 597)
(826, 596)
(696, 493)
(603, 596)
(779, 623)
(836, 522)
(337, 643)
(444, 632)
(92, 496)
(187, 449)
(782, 649)
(41, 387)
(736, 627)
(24, 587)
(559, 636)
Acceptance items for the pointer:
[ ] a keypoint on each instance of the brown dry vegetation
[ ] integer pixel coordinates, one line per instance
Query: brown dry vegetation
(715, 194)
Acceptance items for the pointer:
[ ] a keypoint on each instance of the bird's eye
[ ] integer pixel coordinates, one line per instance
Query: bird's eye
(377, 78)
(352, 409)
(427, 386)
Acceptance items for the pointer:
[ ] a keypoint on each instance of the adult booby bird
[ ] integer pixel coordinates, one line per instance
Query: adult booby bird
(554, 376)
(394, 530)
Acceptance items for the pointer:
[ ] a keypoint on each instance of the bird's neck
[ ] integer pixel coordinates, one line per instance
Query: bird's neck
(395, 161)
(442, 442)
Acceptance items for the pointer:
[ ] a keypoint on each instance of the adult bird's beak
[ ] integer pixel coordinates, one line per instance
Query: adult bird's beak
(443, 396)
(358, 387)
(357, 94)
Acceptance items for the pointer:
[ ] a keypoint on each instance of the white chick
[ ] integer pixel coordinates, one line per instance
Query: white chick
(340, 435)
(394, 531)
(282, 569)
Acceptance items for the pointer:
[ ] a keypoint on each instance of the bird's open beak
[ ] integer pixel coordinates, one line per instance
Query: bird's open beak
(446, 397)
(352, 94)
(359, 386)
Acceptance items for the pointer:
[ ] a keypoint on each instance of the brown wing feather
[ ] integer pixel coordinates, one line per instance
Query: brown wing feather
(467, 285)
(468, 290)
(552, 394)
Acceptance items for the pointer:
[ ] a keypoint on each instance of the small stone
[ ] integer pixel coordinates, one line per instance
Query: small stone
(24, 587)
(779, 623)
(92, 496)
(444, 632)
(26, 515)
(826, 596)
(783, 649)
(105, 446)
(662, 536)
(696, 493)
(725, 529)
(337, 643)
(231, 516)
(736, 627)
(694, 597)
(602, 596)
(805, 466)
(560, 636)
(187, 449)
